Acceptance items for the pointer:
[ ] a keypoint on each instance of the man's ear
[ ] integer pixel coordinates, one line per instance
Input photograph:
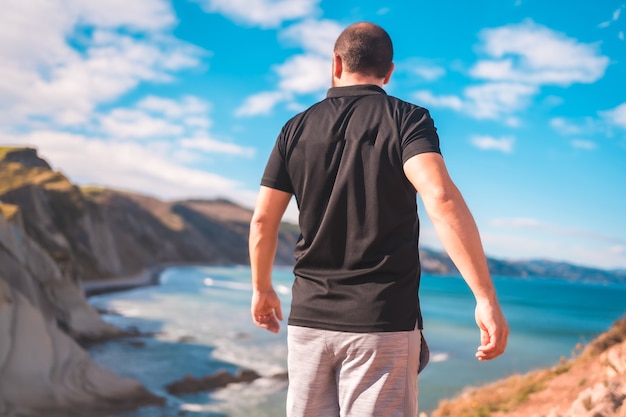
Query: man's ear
(337, 66)
(388, 75)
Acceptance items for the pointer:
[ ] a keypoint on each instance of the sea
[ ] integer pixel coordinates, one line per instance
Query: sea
(197, 322)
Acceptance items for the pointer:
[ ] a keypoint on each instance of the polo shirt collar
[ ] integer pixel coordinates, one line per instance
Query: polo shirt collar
(354, 90)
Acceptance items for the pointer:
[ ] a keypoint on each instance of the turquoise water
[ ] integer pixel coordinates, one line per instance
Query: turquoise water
(200, 321)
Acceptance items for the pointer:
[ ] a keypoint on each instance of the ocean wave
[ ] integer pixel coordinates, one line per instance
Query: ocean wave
(242, 399)
(439, 356)
(283, 289)
(240, 286)
(266, 359)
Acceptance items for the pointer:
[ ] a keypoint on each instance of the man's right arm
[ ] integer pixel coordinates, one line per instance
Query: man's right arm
(459, 236)
(263, 240)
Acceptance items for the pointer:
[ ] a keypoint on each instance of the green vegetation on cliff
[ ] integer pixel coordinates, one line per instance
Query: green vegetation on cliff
(557, 391)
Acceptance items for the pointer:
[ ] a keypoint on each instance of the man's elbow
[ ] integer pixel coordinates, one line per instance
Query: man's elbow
(261, 225)
(440, 196)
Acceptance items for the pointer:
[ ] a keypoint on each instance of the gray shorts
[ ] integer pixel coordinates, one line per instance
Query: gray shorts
(341, 374)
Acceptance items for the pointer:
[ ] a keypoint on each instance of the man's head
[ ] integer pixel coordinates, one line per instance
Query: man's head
(364, 49)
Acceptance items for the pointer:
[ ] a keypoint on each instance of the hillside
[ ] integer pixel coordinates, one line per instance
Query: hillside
(439, 263)
(55, 235)
(99, 233)
(593, 384)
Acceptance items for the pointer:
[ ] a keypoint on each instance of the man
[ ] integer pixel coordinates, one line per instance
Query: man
(354, 162)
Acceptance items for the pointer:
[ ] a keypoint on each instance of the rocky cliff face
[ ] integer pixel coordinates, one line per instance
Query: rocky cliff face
(42, 368)
(53, 236)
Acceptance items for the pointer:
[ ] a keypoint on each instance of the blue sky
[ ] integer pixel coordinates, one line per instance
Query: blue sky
(185, 98)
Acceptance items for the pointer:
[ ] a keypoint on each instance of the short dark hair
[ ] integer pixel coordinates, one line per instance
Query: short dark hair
(365, 48)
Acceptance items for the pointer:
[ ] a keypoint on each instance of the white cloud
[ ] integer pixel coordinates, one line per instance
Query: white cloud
(50, 71)
(503, 144)
(427, 98)
(571, 244)
(209, 145)
(531, 223)
(486, 101)
(147, 169)
(531, 53)
(134, 124)
(616, 116)
(580, 252)
(429, 73)
(304, 74)
(315, 36)
(261, 103)
(493, 100)
(565, 127)
(189, 105)
(584, 144)
(614, 18)
(423, 68)
(150, 15)
(263, 13)
(520, 59)
(35, 32)
(182, 122)
(581, 127)
(156, 118)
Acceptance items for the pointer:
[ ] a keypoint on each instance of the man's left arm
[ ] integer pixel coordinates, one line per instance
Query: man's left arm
(263, 241)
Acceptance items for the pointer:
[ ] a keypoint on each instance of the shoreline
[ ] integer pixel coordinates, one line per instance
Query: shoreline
(145, 278)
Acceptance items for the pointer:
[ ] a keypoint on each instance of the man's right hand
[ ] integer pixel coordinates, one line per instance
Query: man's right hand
(266, 310)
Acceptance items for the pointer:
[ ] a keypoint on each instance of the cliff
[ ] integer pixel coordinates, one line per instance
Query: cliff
(55, 235)
(42, 310)
(96, 233)
(593, 384)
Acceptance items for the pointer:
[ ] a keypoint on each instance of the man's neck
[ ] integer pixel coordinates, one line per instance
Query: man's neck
(350, 78)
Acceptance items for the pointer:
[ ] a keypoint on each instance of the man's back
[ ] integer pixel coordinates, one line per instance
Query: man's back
(357, 264)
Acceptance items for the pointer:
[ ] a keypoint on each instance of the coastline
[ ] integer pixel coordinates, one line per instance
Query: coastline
(147, 277)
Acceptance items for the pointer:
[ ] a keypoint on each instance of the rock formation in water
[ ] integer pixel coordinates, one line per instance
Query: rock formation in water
(190, 384)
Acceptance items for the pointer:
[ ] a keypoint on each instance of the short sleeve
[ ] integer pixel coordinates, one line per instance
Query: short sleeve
(276, 175)
(419, 134)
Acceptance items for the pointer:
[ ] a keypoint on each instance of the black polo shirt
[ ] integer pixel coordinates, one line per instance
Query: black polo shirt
(357, 264)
